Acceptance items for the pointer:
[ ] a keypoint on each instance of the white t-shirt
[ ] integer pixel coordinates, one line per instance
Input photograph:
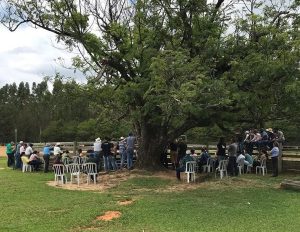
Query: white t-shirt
(22, 149)
(97, 146)
(240, 158)
(28, 150)
(56, 150)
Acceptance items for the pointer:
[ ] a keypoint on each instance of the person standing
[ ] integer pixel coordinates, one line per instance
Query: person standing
(18, 155)
(57, 150)
(173, 153)
(232, 153)
(46, 156)
(130, 142)
(280, 139)
(106, 147)
(182, 147)
(274, 156)
(29, 150)
(10, 154)
(97, 151)
(122, 151)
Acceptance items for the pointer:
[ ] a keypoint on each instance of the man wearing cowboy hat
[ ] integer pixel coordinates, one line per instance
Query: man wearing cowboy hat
(57, 150)
(97, 151)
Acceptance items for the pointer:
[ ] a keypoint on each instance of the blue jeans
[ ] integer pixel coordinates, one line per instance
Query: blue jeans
(106, 163)
(112, 160)
(97, 159)
(129, 152)
(123, 158)
(18, 160)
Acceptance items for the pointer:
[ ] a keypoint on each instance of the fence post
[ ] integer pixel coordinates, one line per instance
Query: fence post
(74, 147)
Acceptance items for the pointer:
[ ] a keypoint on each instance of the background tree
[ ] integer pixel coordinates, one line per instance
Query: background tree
(172, 63)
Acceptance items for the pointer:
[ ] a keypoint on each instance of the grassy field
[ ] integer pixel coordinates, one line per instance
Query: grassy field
(248, 203)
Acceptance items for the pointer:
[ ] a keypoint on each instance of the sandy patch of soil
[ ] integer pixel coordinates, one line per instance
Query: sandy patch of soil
(2, 151)
(125, 202)
(109, 215)
(104, 181)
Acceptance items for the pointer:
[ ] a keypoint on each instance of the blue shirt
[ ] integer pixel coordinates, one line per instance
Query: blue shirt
(46, 150)
(130, 142)
(275, 152)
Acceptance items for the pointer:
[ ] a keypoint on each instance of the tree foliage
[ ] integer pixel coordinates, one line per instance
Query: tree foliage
(172, 65)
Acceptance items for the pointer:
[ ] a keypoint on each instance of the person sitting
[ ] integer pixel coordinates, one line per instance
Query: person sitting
(182, 164)
(66, 156)
(57, 159)
(248, 161)
(34, 160)
(203, 158)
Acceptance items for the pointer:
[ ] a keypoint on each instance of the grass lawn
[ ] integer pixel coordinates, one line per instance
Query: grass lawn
(247, 203)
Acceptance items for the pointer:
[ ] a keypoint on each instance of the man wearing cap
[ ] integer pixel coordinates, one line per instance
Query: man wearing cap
(57, 150)
(18, 155)
(97, 151)
(46, 156)
(10, 154)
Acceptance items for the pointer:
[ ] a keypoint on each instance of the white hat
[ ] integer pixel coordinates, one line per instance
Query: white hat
(188, 152)
(21, 142)
(246, 132)
(98, 139)
(122, 138)
(57, 144)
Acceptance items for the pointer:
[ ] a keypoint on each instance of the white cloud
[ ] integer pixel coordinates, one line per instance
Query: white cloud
(29, 54)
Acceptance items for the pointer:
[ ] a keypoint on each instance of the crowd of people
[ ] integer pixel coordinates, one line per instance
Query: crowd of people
(266, 142)
(103, 154)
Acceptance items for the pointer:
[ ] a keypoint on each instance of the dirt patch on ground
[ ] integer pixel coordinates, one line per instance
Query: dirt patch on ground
(114, 179)
(104, 181)
(125, 202)
(2, 151)
(109, 215)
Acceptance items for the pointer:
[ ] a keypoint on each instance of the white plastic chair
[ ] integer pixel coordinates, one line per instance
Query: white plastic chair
(83, 160)
(74, 170)
(249, 167)
(66, 162)
(25, 166)
(59, 172)
(262, 167)
(208, 167)
(91, 170)
(240, 166)
(222, 168)
(76, 159)
(190, 168)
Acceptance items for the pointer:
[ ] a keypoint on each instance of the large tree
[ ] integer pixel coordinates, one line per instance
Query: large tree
(171, 63)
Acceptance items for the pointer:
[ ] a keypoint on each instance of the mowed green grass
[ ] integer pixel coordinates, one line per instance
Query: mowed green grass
(247, 203)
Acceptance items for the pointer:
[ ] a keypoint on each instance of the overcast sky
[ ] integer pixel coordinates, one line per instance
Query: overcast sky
(29, 54)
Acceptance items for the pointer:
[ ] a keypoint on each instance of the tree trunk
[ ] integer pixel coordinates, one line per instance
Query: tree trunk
(152, 144)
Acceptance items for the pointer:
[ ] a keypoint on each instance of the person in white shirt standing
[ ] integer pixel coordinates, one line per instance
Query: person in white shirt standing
(97, 151)
(274, 156)
(29, 150)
